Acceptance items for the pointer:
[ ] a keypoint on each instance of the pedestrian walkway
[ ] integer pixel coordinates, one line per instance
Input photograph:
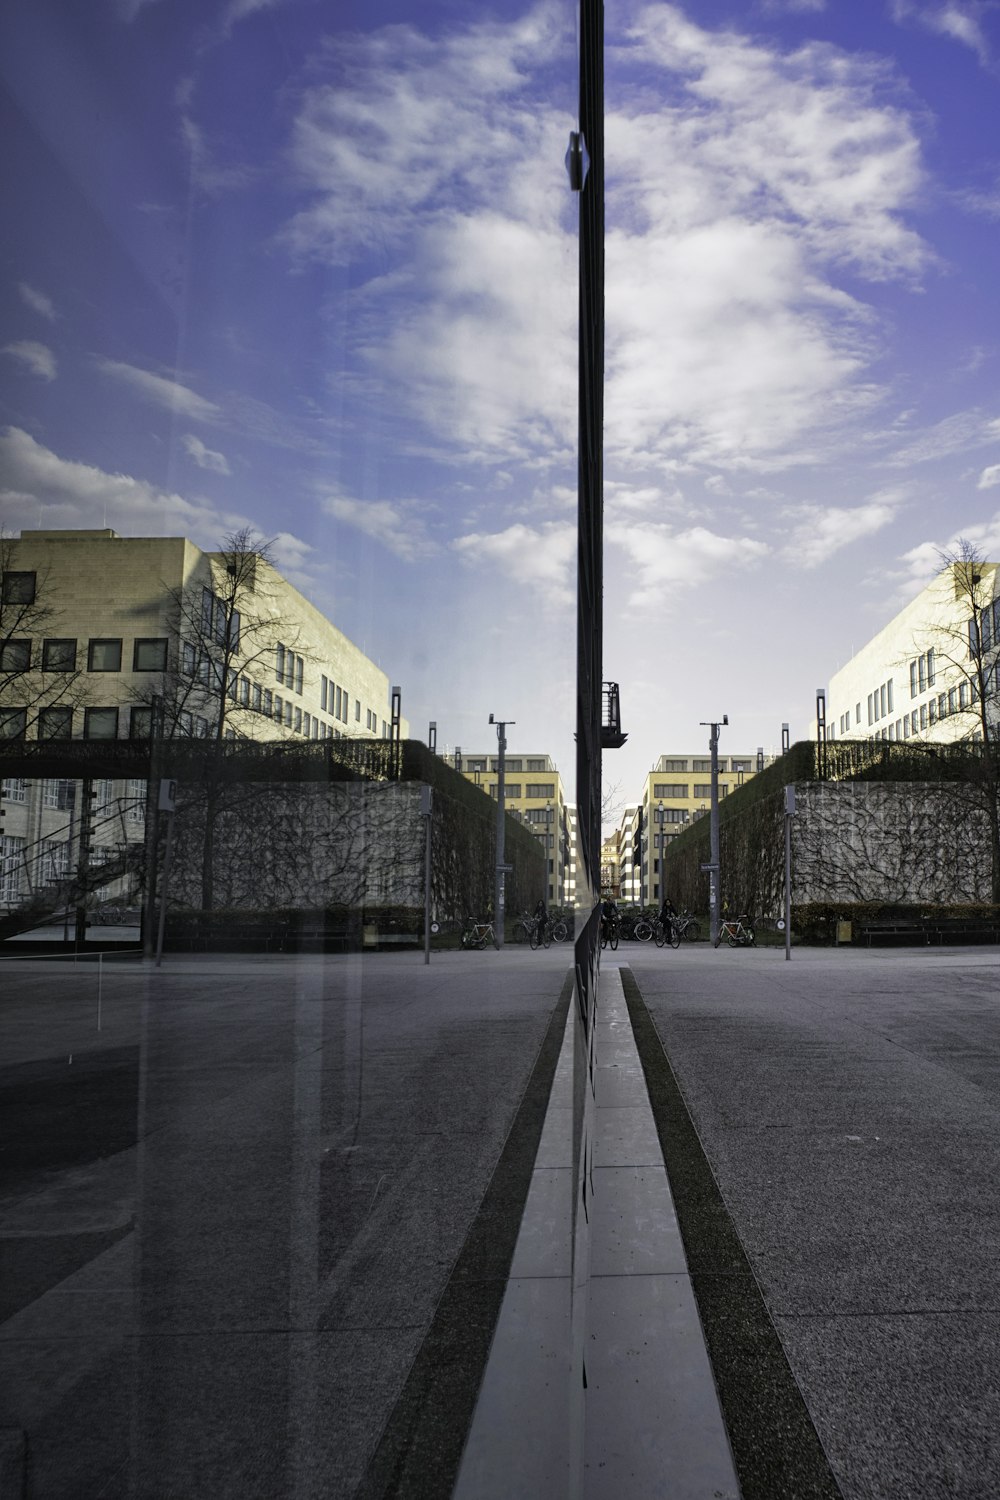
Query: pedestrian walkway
(651, 1418)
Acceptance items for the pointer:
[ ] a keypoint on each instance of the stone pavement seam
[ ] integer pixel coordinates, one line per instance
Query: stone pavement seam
(775, 1445)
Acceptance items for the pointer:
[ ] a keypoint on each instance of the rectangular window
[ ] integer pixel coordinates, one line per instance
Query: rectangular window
(357, 710)
(306, 724)
(11, 867)
(906, 727)
(185, 724)
(297, 725)
(931, 713)
(220, 622)
(300, 667)
(189, 659)
(922, 673)
(279, 706)
(104, 656)
(315, 728)
(13, 723)
(913, 678)
(670, 789)
(207, 611)
(55, 724)
(963, 695)
(675, 765)
(892, 731)
(336, 711)
(702, 789)
(701, 765)
(135, 808)
(245, 692)
(18, 588)
(14, 789)
(288, 715)
(100, 723)
(322, 693)
(869, 708)
(268, 702)
(888, 696)
(540, 789)
(881, 699)
(200, 727)
(279, 662)
(149, 656)
(59, 656)
(512, 765)
(15, 656)
(942, 704)
(953, 700)
(511, 789)
(235, 621)
(930, 667)
(257, 695)
(231, 683)
(140, 724)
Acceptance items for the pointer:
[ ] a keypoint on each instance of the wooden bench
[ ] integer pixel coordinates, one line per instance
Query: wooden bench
(906, 930)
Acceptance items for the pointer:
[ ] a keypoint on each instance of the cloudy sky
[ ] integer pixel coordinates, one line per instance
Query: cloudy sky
(313, 267)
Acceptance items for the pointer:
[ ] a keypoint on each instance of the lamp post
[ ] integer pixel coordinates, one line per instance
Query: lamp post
(713, 865)
(501, 867)
(661, 818)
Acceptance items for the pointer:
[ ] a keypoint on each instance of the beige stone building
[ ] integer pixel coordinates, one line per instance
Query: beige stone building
(677, 792)
(533, 795)
(94, 627)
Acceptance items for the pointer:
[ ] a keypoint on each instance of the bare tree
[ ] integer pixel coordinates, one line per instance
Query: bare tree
(227, 639)
(41, 682)
(967, 659)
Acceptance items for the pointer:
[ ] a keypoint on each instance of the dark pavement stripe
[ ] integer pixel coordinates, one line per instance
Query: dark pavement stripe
(421, 1448)
(777, 1450)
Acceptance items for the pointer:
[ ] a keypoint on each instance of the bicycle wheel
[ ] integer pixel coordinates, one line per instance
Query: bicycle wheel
(659, 936)
(692, 932)
(560, 932)
(520, 933)
(675, 938)
(642, 931)
(613, 940)
(546, 938)
(734, 941)
(481, 943)
(533, 938)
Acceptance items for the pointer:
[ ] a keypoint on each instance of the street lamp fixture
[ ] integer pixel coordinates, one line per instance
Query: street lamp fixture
(501, 866)
(713, 865)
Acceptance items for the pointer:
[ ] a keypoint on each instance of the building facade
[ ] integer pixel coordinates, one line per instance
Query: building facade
(677, 792)
(923, 675)
(533, 795)
(96, 628)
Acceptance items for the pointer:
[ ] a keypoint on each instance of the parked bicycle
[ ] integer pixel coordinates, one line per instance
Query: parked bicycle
(687, 927)
(738, 933)
(478, 934)
(521, 931)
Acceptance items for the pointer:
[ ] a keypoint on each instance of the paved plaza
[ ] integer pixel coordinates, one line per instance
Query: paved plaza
(258, 1216)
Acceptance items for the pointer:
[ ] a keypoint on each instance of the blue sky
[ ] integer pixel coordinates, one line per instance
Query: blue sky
(313, 267)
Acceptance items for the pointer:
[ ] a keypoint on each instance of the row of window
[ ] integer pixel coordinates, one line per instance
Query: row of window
(220, 622)
(984, 632)
(102, 723)
(512, 764)
(726, 764)
(103, 655)
(922, 673)
(289, 669)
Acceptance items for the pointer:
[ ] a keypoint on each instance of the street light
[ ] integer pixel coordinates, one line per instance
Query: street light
(501, 867)
(661, 813)
(713, 865)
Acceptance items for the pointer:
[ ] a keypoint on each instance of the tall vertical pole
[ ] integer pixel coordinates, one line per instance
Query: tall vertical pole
(501, 869)
(713, 919)
(789, 811)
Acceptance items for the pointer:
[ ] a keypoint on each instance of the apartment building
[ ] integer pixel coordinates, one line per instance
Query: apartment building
(95, 627)
(918, 677)
(534, 795)
(677, 792)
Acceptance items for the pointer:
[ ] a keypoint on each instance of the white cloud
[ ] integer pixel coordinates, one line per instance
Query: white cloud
(666, 561)
(37, 301)
(780, 7)
(77, 495)
(170, 394)
(959, 433)
(734, 213)
(923, 562)
(205, 458)
(820, 531)
(989, 478)
(959, 22)
(542, 557)
(38, 357)
(397, 526)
